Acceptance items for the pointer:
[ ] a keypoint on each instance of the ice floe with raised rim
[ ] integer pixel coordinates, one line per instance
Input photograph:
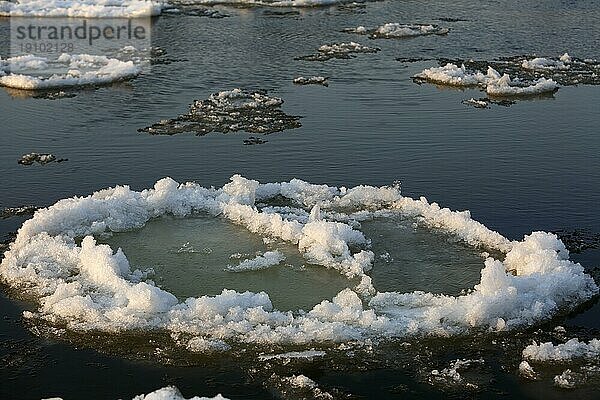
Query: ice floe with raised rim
(88, 286)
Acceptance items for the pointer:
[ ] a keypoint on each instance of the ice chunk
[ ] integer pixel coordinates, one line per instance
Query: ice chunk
(81, 8)
(572, 349)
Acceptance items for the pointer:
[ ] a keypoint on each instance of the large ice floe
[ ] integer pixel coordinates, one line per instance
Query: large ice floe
(166, 393)
(31, 72)
(81, 8)
(83, 285)
(230, 111)
(396, 30)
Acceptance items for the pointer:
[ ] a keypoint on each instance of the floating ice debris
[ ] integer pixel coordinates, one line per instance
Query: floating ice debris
(43, 158)
(579, 240)
(269, 259)
(338, 50)
(477, 103)
(542, 64)
(195, 11)
(504, 86)
(83, 285)
(201, 345)
(565, 70)
(450, 19)
(566, 380)
(411, 59)
(493, 83)
(172, 393)
(451, 374)
(9, 212)
(397, 30)
(308, 354)
(313, 80)
(77, 70)
(81, 8)
(230, 111)
(252, 140)
(572, 349)
(527, 371)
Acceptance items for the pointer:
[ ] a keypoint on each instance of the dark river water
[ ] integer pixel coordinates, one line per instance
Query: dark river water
(532, 166)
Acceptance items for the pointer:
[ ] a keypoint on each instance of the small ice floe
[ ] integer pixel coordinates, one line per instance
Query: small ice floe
(451, 374)
(477, 103)
(307, 354)
(194, 11)
(572, 349)
(313, 80)
(338, 50)
(69, 70)
(493, 83)
(230, 111)
(201, 345)
(567, 380)
(396, 30)
(252, 140)
(166, 393)
(268, 259)
(302, 385)
(527, 371)
(40, 158)
(10, 212)
(81, 8)
(544, 64)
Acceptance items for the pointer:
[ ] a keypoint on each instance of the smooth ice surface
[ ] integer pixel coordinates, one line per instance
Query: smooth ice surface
(88, 285)
(81, 8)
(37, 73)
(202, 255)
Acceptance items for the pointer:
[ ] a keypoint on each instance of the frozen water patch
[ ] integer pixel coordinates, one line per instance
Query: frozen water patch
(81, 8)
(492, 82)
(230, 111)
(396, 30)
(84, 285)
(451, 375)
(39, 73)
(338, 51)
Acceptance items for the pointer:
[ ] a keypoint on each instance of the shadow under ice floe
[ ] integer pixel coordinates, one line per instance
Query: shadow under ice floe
(230, 111)
(82, 285)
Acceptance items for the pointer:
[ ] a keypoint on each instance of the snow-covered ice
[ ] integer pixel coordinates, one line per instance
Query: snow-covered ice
(89, 286)
(81, 8)
(493, 83)
(28, 72)
(572, 349)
